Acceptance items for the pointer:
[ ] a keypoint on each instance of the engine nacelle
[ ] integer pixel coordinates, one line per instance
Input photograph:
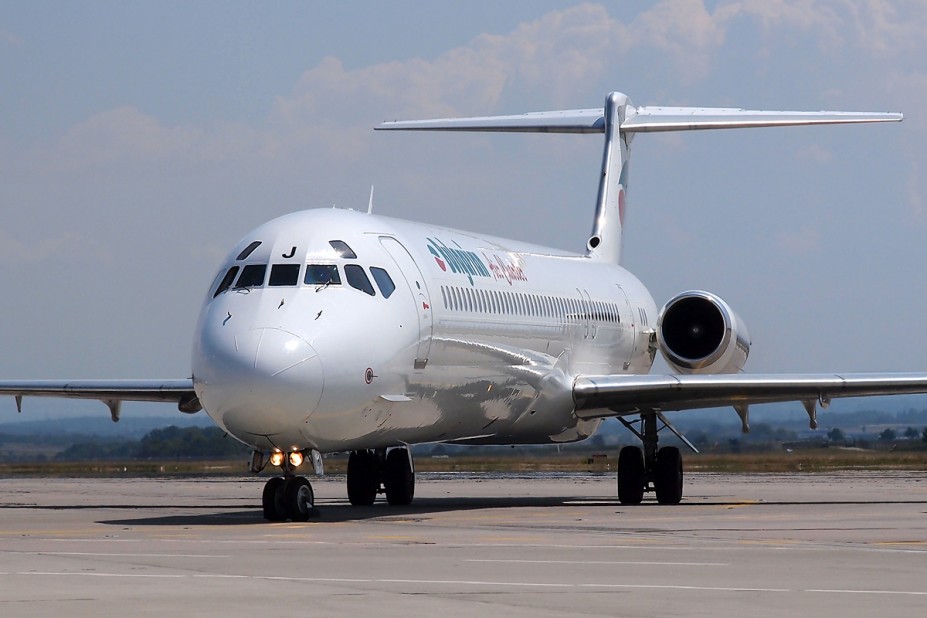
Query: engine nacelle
(699, 333)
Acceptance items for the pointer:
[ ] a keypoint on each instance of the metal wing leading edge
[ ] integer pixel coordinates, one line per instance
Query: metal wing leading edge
(616, 395)
(111, 392)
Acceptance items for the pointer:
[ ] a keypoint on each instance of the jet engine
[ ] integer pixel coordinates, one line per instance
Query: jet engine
(699, 333)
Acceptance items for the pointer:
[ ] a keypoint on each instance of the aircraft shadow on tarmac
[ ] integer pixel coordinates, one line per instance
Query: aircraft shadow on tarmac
(341, 512)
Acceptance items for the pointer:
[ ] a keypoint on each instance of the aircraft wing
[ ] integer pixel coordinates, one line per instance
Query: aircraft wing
(617, 395)
(110, 392)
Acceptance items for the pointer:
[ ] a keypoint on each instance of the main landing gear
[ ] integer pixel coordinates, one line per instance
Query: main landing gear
(377, 471)
(651, 468)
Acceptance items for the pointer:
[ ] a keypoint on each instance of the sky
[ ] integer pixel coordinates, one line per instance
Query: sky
(139, 141)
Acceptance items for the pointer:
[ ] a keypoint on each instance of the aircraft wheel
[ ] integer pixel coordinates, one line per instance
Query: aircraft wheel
(272, 500)
(630, 475)
(362, 478)
(399, 478)
(299, 498)
(668, 475)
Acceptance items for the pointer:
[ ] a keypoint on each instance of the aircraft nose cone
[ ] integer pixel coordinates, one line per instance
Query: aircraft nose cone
(281, 354)
(271, 382)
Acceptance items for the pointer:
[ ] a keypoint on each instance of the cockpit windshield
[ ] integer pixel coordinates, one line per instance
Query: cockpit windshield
(384, 281)
(284, 275)
(357, 279)
(322, 274)
(226, 281)
(252, 276)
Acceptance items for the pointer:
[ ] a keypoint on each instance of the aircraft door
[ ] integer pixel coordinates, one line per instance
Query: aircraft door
(592, 327)
(628, 341)
(415, 282)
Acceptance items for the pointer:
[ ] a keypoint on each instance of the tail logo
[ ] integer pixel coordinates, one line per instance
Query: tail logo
(622, 183)
(621, 205)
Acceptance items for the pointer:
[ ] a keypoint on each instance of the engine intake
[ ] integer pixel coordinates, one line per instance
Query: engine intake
(699, 333)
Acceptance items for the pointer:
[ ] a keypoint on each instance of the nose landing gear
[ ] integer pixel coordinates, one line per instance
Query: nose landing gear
(290, 497)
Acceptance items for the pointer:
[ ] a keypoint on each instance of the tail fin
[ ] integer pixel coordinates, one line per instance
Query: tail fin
(619, 121)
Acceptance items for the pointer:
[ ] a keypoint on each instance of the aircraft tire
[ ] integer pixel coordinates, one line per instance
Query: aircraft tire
(630, 475)
(668, 475)
(299, 498)
(399, 478)
(272, 500)
(362, 478)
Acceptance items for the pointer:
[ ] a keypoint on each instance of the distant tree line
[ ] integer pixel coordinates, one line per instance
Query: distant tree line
(168, 443)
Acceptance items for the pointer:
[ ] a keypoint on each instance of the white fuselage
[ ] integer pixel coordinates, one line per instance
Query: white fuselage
(478, 342)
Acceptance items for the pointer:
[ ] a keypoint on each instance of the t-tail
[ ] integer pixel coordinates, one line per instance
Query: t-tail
(619, 120)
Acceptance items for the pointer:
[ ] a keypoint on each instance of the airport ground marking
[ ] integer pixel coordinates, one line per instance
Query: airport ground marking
(614, 562)
(469, 583)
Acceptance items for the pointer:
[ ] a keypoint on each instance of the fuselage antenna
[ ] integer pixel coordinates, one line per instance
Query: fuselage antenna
(370, 203)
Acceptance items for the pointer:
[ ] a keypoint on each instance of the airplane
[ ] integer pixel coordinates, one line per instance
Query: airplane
(329, 331)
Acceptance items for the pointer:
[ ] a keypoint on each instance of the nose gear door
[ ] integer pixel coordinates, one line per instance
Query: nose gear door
(415, 282)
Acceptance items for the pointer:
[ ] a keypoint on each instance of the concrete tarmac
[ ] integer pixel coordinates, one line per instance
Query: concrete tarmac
(844, 544)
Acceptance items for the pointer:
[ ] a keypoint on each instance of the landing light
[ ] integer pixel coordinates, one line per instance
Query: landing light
(276, 458)
(296, 459)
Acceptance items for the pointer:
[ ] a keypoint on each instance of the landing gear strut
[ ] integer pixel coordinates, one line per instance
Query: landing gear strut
(651, 468)
(375, 471)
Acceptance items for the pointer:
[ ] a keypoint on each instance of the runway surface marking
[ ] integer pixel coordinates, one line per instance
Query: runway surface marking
(713, 545)
(467, 583)
(111, 555)
(634, 563)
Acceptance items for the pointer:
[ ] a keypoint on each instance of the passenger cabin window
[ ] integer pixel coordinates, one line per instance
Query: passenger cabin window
(322, 274)
(252, 276)
(226, 281)
(284, 275)
(342, 249)
(357, 279)
(384, 281)
(248, 250)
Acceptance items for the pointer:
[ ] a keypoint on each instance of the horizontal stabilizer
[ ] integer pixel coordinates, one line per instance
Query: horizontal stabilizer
(567, 121)
(639, 120)
(651, 119)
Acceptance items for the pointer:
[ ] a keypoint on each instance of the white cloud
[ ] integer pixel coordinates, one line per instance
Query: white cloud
(888, 27)
(799, 242)
(684, 30)
(119, 134)
(329, 112)
(8, 38)
(881, 27)
(69, 245)
(815, 153)
(914, 187)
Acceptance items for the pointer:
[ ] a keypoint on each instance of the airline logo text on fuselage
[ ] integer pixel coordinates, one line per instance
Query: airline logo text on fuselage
(470, 264)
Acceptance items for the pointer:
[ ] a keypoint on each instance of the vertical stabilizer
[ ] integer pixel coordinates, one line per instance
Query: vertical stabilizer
(606, 239)
(620, 121)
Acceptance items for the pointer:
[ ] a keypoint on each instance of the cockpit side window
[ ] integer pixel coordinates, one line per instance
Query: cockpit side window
(284, 275)
(384, 281)
(322, 274)
(252, 276)
(226, 281)
(248, 250)
(342, 249)
(357, 279)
